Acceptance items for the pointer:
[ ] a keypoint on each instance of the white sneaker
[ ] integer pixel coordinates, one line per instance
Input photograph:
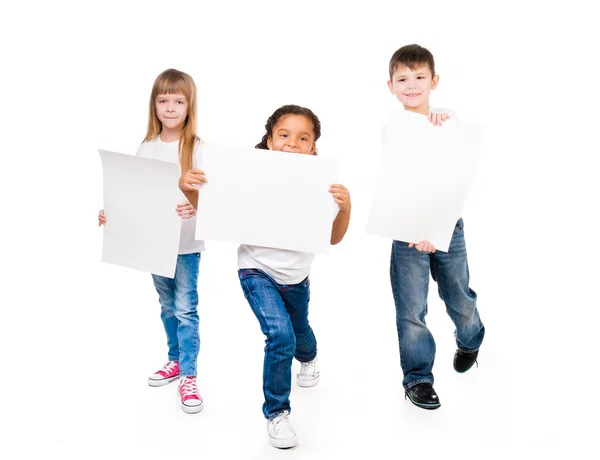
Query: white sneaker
(309, 374)
(281, 433)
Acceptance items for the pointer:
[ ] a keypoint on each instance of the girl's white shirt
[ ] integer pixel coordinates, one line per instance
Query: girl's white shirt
(169, 152)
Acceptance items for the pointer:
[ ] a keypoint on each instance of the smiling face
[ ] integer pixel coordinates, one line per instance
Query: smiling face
(412, 87)
(293, 133)
(171, 110)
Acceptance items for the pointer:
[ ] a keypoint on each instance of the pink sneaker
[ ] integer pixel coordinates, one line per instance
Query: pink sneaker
(167, 374)
(191, 401)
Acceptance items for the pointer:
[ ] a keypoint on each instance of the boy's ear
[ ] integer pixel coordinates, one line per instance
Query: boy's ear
(270, 143)
(391, 86)
(313, 149)
(434, 81)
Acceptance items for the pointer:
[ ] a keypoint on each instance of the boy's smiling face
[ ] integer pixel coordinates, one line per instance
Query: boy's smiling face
(412, 87)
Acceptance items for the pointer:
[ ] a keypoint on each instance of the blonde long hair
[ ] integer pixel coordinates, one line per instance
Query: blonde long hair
(173, 81)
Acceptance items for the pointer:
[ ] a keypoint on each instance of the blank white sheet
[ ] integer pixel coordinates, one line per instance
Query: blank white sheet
(426, 175)
(266, 198)
(142, 227)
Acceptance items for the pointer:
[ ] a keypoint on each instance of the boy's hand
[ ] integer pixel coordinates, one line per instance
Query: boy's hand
(189, 180)
(101, 218)
(423, 246)
(341, 196)
(185, 210)
(437, 118)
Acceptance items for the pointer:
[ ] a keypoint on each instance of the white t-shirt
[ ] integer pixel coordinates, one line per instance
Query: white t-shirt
(283, 265)
(169, 152)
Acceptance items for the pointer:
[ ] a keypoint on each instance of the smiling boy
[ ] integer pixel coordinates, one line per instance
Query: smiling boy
(412, 78)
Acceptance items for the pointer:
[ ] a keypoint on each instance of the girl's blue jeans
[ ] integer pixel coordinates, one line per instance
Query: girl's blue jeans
(178, 299)
(282, 312)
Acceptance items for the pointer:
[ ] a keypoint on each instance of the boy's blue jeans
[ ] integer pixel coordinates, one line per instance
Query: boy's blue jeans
(409, 273)
(282, 311)
(179, 312)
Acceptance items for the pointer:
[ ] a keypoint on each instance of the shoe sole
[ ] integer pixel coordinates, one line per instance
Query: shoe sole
(284, 443)
(462, 372)
(192, 409)
(423, 405)
(307, 383)
(161, 382)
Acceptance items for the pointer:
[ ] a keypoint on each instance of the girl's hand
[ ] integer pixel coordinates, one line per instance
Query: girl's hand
(191, 178)
(341, 196)
(101, 218)
(423, 246)
(185, 210)
(437, 118)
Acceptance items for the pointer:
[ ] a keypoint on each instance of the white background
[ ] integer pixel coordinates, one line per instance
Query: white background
(79, 338)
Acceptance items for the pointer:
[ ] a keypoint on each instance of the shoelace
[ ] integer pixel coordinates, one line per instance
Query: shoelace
(169, 367)
(308, 368)
(279, 419)
(188, 387)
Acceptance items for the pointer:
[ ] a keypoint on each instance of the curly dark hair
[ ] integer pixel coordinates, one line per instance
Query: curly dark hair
(289, 110)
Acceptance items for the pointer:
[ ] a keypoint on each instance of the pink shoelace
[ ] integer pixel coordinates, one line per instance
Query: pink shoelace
(188, 389)
(169, 370)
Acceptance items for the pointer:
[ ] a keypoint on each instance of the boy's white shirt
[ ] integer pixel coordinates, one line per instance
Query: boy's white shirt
(169, 152)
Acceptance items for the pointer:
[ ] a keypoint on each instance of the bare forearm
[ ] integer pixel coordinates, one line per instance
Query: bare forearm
(192, 197)
(340, 226)
(188, 184)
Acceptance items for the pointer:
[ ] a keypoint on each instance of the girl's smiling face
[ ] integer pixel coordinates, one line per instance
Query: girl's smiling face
(171, 110)
(293, 133)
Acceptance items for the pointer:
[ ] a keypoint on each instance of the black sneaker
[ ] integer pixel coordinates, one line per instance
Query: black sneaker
(464, 361)
(423, 395)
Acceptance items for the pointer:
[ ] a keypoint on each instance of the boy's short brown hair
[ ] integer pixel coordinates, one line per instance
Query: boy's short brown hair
(413, 57)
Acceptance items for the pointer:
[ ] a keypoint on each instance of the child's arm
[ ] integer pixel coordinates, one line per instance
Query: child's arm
(187, 184)
(342, 197)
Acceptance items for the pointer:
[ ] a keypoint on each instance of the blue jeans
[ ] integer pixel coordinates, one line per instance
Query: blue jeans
(409, 273)
(282, 312)
(178, 299)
